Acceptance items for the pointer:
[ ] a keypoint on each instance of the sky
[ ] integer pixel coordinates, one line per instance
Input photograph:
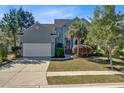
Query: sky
(47, 13)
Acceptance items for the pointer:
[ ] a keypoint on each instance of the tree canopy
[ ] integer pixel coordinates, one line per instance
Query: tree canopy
(16, 21)
(105, 30)
(25, 19)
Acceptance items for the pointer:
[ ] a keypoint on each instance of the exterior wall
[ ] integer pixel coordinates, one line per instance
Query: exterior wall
(37, 50)
(62, 32)
(60, 35)
(53, 46)
(38, 33)
(20, 44)
(37, 39)
(65, 29)
(74, 42)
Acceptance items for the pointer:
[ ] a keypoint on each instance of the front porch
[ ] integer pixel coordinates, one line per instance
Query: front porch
(70, 43)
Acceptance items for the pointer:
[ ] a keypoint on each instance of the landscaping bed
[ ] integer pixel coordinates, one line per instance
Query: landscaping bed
(9, 59)
(61, 59)
(84, 79)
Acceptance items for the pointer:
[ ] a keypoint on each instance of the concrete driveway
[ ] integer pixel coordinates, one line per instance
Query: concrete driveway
(24, 73)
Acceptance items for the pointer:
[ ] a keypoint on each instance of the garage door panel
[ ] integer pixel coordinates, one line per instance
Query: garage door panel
(37, 49)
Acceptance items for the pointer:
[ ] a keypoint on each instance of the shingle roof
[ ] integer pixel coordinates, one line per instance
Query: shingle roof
(38, 33)
(61, 22)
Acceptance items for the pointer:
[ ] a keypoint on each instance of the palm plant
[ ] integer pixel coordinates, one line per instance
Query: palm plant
(78, 31)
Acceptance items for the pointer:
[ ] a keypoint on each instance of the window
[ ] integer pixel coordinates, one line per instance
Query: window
(75, 42)
(81, 41)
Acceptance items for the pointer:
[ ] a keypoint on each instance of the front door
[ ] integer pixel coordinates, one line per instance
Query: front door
(68, 49)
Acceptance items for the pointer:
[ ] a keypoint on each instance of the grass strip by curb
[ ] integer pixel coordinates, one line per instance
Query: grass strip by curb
(85, 79)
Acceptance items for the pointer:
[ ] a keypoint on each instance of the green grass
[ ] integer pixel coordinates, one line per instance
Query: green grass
(83, 64)
(56, 80)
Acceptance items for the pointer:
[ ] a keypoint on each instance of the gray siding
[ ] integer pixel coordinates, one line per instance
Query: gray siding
(38, 33)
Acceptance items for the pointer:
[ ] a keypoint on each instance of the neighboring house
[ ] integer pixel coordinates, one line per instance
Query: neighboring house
(40, 40)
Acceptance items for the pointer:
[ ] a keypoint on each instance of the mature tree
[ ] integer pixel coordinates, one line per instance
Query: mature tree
(25, 19)
(78, 31)
(3, 41)
(3, 33)
(95, 25)
(15, 21)
(6, 35)
(105, 30)
(11, 20)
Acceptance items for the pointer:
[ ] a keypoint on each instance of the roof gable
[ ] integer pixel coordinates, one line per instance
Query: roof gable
(61, 22)
(38, 33)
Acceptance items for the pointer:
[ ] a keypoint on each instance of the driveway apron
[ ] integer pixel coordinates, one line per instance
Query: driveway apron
(24, 73)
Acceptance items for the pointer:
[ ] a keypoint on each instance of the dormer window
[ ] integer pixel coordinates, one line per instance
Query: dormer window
(64, 25)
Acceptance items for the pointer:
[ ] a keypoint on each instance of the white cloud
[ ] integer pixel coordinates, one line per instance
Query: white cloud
(1, 16)
(59, 12)
(47, 15)
(51, 12)
(68, 15)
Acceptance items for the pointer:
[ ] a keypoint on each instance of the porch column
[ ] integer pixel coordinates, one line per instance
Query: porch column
(73, 41)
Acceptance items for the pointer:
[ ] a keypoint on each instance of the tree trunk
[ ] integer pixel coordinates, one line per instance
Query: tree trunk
(110, 57)
(21, 30)
(78, 43)
(14, 39)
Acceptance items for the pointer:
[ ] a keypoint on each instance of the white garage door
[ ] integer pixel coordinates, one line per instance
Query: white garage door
(36, 49)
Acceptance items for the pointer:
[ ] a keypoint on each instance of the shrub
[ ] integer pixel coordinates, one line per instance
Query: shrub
(84, 50)
(17, 51)
(98, 52)
(3, 53)
(119, 53)
(60, 45)
(59, 52)
(14, 49)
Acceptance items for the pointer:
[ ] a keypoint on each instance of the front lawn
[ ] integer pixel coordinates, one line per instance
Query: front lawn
(83, 64)
(85, 79)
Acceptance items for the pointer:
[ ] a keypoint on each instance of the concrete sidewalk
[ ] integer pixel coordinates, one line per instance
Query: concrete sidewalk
(74, 73)
(95, 85)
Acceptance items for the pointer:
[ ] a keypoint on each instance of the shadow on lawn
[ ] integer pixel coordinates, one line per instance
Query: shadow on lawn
(21, 61)
(6, 64)
(104, 61)
(29, 61)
